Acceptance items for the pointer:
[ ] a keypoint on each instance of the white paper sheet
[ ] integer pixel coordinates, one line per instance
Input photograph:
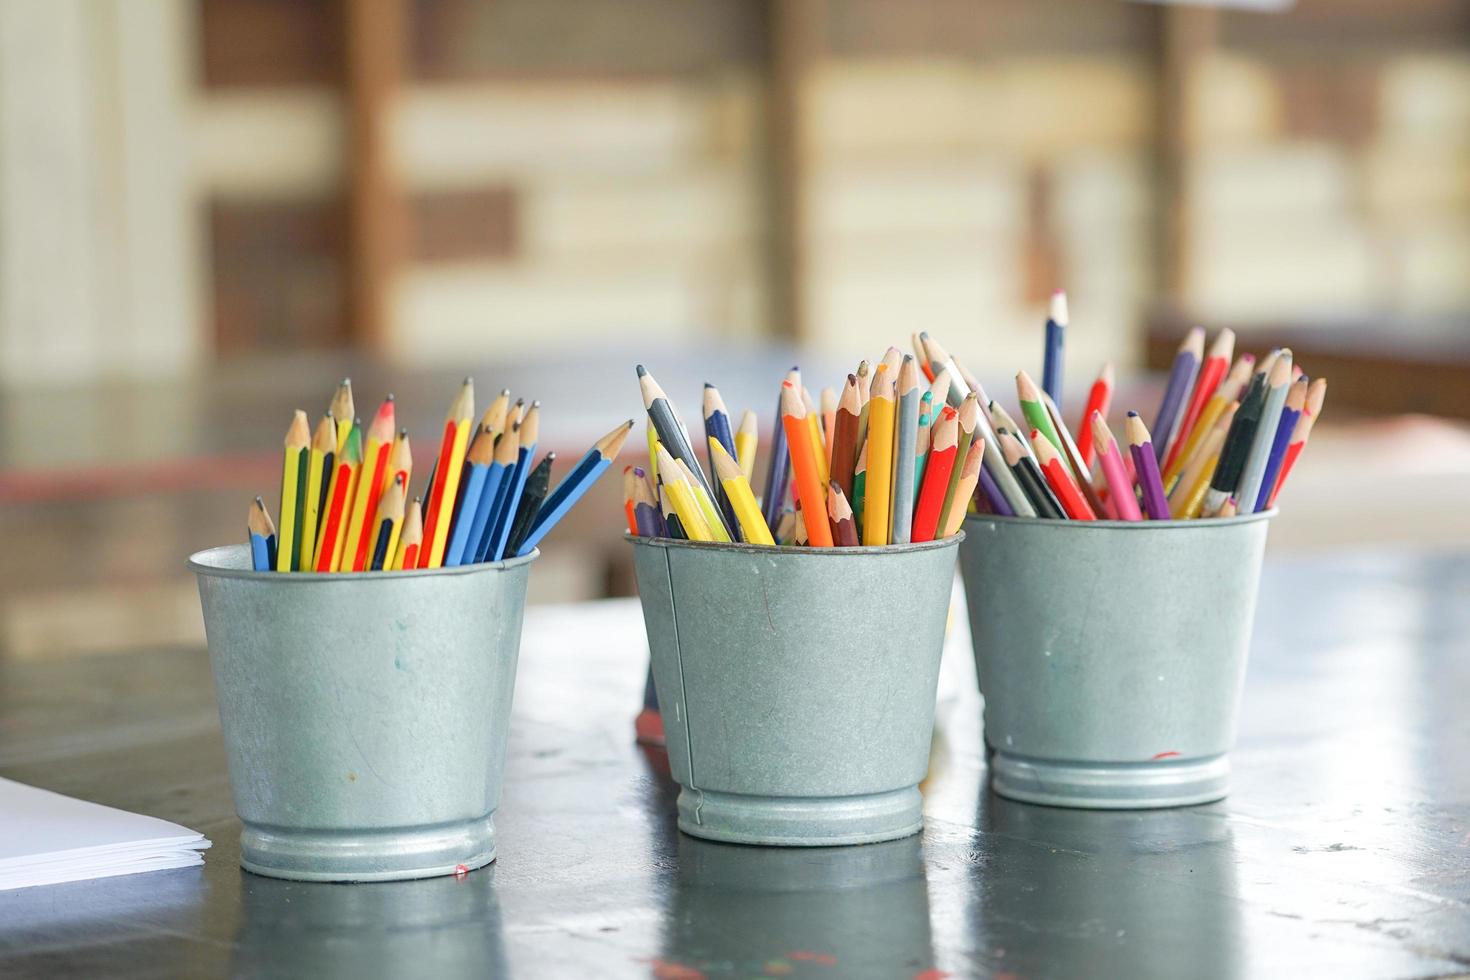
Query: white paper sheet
(46, 838)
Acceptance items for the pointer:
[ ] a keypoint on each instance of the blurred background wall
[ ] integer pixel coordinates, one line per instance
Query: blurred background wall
(205, 200)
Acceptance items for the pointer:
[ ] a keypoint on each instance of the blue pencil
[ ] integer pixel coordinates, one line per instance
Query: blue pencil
(1296, 399)
(593, 464)
(262, 537)
(717, 427)
(1056, 339)
(1176, 392)
(477, 467)
(780, 463)
(505, 517)
(480, 530)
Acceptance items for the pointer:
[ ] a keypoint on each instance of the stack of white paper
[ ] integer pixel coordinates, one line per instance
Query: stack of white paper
(47, 838)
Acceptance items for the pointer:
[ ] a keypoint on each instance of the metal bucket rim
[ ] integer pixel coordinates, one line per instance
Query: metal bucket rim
(739, 547)
(204, 563)
(1143, 525)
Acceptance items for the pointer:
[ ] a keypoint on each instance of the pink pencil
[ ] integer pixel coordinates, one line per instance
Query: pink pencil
(1120, 488)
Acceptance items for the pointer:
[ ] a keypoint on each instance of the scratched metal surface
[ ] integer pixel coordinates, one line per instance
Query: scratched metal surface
(1344, 850)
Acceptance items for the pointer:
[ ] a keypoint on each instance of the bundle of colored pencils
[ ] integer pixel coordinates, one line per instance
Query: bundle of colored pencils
(1223, 441)
(884, 462)
(345, 504)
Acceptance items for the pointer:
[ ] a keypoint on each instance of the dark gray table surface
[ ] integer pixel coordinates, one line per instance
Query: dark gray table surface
(1344, 850)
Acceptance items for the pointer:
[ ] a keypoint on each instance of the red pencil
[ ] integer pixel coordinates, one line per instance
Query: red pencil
(1217, 363)
(333, 523)
(1099, 400)
(1316, 395)
(1059, 479)
(942, 449)
(378, 451)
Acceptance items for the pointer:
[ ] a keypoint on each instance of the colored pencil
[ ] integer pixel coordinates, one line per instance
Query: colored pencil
(463, 539)
(1188, 495)
(1056, 337)
(1316, 395)
(865, 392)
(844, 438)
(1100, 400)
(860, 487)
(706, 504)
(681, 497)
(318, 480)
(1034, 411)
(514, 484)
(1237, 446)
(925, 437)
(344, 481)
(1120, 488)
(1072, 455)
(645, 507)
(1228, 392)
(905, 450)
(799, 536)
(969, 470)
(1296, 400)
(839, 516)
(1146, 468)
(496, 415)
(400, 463)
(671, 519)
(969, 416)
(629, 484)
(878, 497)
(533, 497)
(498, 474)
(959, 382)
(386, 526)
(814, 433)
(370, 484)
(1253, 476)
(411, 538)
(941, 463)
(1023, 465)
(803, 463)
(293, 493)
(653, 444)
(779, 468)
(747, 439)
(785, 532)
(343, 411)
(670, 430)
(1211, 373)
(262, 537)
(921, 357)
(1060, 479)
(452, 448)
(998, 504)
(1176, 391)
(753, 527)
(717, 426)
(576, 483)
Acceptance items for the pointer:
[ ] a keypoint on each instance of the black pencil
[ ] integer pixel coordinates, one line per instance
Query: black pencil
(1030, 478)
(531, 498)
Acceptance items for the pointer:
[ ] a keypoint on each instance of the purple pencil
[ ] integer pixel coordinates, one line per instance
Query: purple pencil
(1176, 393)
(1296, 400)
(1146, 468)
(993, 496)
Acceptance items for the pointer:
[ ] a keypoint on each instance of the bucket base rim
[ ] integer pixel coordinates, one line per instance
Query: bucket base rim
(1110, 785)
(786, 821)
(368, 854)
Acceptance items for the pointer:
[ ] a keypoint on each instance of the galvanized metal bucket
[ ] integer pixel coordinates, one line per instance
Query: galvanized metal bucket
(1111, 654)
(796, 684)
(364, 715)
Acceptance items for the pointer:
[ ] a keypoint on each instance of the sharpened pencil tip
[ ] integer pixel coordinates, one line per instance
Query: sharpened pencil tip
(642, 370)
(1133, 415)
(389, 398)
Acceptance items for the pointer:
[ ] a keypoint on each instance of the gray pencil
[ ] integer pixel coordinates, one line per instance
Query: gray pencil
(905, 436)
(1277, 385)
(673, 435)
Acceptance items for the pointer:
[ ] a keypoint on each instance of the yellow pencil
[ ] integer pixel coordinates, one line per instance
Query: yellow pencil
(343, 412)
(746, 442)
(676, 488)
(293, 494)
(819, 444)
(457, 426)
(652, 453)
(742, 499)
(410, 536)
(877, 491)
(1189, 492)
(1230, 388)
(323, 444)
(706, 505)
(390, 512)
(373, 478)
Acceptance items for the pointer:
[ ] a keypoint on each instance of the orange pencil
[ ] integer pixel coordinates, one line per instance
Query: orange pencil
(1217, 363)
(344, 481)
(452, 447)
(1059, 479)
(942, 448)
(630, 490)
(807, 480)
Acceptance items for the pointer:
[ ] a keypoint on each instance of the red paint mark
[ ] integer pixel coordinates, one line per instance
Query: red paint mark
(1166, 755)
(933, 973)
(821, 959)
(460, 871)
(666, 970)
